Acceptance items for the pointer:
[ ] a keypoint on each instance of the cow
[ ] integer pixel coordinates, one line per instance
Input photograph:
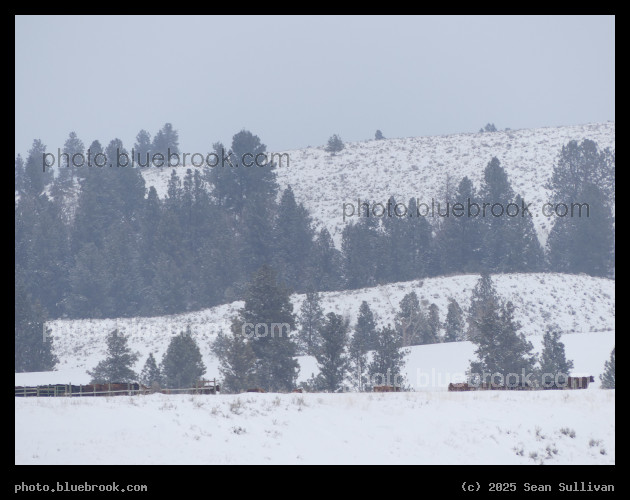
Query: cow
(579, 382)
(256, 389)
(297, 390)
(386, 388)
(460, 387)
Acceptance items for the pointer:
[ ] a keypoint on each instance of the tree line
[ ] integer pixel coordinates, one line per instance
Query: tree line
(355, 357)
(95, 243)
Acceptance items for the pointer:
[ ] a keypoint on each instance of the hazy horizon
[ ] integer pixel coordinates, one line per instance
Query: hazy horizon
(296, 80)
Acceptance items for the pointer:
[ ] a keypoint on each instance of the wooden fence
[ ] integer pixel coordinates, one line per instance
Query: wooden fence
(112, 389)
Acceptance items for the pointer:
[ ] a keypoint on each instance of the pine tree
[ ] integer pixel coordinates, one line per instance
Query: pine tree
(108, 195)
(410, 322)
(500, 350)
(42, 256)
(379, 135)
(268, 303)
(325, 268)
(579, 165)
(243, 176)
(484, 302)
(249, 189)
(89, 294)
(434, 324)
(394, 237)
(19, 174)
(311, 322)
(361, 247)
(33, 344)
(166, 142)
(554, 367)
(122, 262)
(142, 149)
(497, 194)
(292, 241)
(332, 359)
(363, 340)
(182, 365)
(150, 375)
(93, 162)
(459, 239)
(455, 324)
(335, 144)
(388, 359)
(417, 260)
(608, 377)
(117, 366)
(74, 148)
(524, 253)
(237, 361)
(36, 177)
(366, 326)
(584, 242)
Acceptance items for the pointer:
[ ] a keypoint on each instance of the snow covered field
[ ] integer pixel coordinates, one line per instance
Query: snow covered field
(490, 427)
(430, 426)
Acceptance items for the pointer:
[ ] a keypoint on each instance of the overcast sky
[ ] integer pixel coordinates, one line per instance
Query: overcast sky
(294, 81)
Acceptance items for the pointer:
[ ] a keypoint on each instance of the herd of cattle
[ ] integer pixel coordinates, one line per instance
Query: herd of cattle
(258, 389)
(54, 390)
(571, 383)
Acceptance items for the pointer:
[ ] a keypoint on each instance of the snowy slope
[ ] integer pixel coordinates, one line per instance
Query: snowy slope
(579, 304)
(490, 427)
(427, 368)
(418, 167)
(554, 427)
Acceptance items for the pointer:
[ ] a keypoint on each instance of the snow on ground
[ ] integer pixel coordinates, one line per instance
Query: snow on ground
(418, 167)
(427, 368)
(578, 303)
(489, 427)
(429, 426)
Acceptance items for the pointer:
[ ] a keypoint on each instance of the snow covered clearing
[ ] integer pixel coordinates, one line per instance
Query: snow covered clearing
(489, 427)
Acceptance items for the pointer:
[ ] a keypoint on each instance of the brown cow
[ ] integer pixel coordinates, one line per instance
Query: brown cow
(297, 390)
(460, 387)
(579, 382)
(386, 388)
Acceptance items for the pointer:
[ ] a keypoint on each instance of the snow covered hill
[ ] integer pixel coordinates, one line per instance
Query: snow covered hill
(578, 304)
(551, 427)
(489, 427)
(418, 167)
